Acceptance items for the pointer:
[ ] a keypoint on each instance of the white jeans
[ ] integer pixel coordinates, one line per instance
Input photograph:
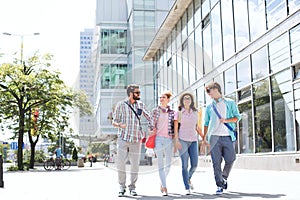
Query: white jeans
(163, 149)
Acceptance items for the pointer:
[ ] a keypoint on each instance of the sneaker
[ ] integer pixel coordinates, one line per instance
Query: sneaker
(225, 184)
(188, 192)
(133, 192)
(122, 191)
(219, 191)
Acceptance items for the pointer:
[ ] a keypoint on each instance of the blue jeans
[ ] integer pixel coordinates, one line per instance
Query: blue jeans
(188, 151)
(222, 147)
(163, 149)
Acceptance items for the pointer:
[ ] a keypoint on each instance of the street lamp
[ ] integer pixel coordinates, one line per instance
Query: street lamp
(21, 36)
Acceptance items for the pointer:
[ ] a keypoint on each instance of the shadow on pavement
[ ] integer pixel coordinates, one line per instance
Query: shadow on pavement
(196, 195)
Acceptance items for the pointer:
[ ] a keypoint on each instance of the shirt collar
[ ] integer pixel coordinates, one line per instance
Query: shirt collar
(218, 100)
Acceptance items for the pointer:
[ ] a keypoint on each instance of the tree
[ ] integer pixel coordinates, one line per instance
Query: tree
(75, 154)
(31, 86)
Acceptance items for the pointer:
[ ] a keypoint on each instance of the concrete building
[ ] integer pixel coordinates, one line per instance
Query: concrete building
(252, 48)
(124, 31)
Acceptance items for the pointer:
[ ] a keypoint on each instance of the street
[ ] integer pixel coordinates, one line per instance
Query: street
(100, 182)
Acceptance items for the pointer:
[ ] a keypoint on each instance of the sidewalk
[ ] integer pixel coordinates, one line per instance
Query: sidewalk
(100, 182)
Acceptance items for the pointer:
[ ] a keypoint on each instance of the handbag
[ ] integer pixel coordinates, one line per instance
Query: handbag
(150, 142)
(226, 124)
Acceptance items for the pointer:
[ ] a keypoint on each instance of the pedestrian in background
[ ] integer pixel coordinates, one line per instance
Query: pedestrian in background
(186, 138)
(163, 121)
(127, 119)
(58, 156)
(219, 124)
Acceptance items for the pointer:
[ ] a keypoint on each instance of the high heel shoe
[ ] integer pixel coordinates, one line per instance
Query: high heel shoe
(165, 191)
(161, 189)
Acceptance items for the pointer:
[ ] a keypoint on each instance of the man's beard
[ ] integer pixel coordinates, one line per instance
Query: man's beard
(136, 98)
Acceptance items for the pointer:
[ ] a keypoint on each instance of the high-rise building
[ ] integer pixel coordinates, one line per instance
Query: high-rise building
(125, 30)
(86, 84)
(252, 48)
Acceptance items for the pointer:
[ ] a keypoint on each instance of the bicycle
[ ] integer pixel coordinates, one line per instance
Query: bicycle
(57, 164)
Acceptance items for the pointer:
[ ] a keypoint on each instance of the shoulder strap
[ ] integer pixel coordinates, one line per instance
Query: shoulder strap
(133, 112)
(219, 116)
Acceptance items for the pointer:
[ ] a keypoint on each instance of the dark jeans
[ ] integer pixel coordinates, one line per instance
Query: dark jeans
(222, 147)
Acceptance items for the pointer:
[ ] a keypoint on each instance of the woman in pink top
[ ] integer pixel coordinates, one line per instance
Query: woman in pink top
(163, 117)
(186, 137)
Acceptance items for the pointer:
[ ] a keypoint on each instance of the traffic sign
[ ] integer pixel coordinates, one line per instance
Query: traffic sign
(14, 146)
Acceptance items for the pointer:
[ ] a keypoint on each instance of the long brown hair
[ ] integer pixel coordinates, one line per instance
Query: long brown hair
(192, 106)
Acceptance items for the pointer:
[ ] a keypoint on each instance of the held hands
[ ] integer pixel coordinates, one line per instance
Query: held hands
(177, 144)
(203, 146)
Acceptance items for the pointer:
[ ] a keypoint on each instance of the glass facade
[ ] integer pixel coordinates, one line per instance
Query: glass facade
(113, 76)
(240, 44)
(113, 41)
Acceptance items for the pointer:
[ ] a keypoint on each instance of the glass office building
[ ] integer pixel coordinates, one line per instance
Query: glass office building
(252, 48)
(124, 30)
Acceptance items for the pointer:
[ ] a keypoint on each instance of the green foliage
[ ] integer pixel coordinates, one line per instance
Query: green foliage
(39, 156)
(12, 168)
(30, 86)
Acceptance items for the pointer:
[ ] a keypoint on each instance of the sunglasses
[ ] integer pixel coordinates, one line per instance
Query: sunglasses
(136, 92)
(209, 89)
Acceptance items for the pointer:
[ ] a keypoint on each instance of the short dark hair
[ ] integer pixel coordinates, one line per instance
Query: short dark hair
(131, 88)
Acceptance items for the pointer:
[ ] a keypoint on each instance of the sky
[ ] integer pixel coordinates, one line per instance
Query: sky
(58, 22)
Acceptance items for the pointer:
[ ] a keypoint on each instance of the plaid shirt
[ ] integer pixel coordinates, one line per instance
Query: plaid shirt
(124, 115)
(171, 114)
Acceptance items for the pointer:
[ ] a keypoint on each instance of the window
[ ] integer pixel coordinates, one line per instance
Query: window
(113, 41)
(227, 28)
(276, 12)
(262, 116)
(241, 24)
(257, 18)
(279, 53)
(295, 44)
(260, 66)
(243, 73)
(230, 80)
(283, 106)
(216, 36)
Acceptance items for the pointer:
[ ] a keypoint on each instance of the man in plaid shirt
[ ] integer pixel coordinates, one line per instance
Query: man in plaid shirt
(127, 118)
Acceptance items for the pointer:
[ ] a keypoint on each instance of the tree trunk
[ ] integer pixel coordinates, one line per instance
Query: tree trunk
(32, 149)
(32, 155)
(20, 141)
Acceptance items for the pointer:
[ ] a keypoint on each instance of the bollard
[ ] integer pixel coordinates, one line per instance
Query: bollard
(1, 172)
